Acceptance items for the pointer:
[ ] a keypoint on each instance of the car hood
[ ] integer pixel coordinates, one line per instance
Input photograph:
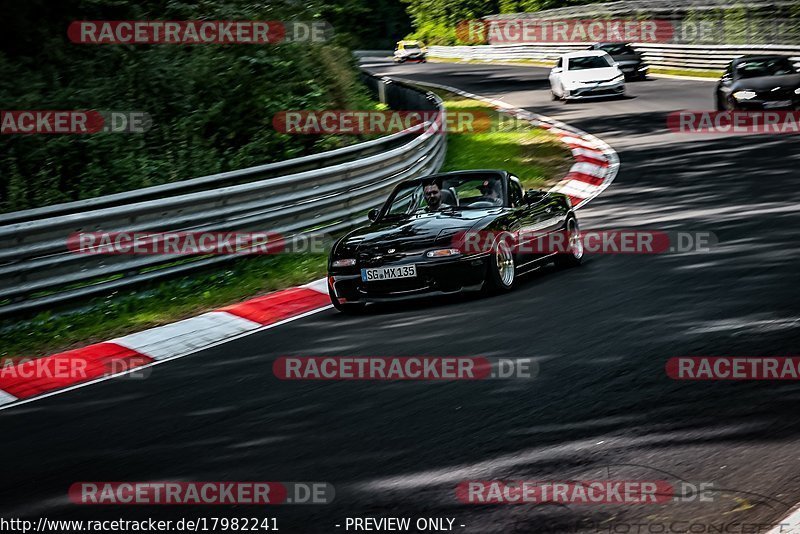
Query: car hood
(591, 75)
(767, 83)
(418, 231)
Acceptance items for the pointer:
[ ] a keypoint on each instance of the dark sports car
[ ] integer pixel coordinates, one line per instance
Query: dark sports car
(758, 83)
(630, 61)
(447, 233)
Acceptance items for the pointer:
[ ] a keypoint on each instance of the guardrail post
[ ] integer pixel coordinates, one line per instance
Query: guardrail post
(382, 83)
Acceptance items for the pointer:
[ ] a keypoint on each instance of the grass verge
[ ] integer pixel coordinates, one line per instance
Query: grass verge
(538, 157)
(522, 62)
(172, 300)
(694, 73)
(535, 155)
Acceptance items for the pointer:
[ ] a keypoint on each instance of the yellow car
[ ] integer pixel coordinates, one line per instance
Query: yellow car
(410, 51)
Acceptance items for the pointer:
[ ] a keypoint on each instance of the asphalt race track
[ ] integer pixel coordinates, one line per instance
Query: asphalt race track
(601, 407)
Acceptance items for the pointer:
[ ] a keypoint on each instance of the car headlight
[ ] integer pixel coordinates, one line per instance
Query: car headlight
(618, 78)
(347, 262)
(744, 95)
(797, 91)
(443, 253)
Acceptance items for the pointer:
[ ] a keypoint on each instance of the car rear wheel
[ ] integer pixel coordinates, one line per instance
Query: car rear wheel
(573, 256)
(502, 272)
(353, 308)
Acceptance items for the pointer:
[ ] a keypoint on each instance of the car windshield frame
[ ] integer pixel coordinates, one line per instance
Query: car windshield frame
(589, 59)
(769, 67)
(617, 49)
(412, 192)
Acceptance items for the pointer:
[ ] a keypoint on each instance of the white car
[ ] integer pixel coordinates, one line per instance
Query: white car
(586, 74)
(409, 51)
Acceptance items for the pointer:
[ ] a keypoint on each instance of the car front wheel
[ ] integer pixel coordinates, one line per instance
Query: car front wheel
(502, 272)
(720, 102)
(729, 105)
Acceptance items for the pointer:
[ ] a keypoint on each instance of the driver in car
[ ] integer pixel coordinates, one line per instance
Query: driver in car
(490, 189)
(433, 196)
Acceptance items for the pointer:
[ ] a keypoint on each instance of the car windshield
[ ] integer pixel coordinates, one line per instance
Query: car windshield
(617, 49)
(588, 62)
(755, 68)
(450, 192)
(412, 47)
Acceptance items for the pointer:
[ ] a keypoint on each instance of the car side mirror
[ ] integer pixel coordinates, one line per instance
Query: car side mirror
(556, 70)
(372, 214)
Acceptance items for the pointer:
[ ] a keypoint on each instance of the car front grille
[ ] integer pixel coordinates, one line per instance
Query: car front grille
(784, 93)
(597, 92)
(376, 259)
(400, 285)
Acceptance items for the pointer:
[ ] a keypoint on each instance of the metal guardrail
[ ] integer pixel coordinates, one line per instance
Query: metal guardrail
(701, 57)
(372, 53)
(662, 8)
(324, 193)
(748, 21)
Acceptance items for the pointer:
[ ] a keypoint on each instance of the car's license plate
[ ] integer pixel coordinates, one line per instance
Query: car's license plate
(388, 273)
(778, 104)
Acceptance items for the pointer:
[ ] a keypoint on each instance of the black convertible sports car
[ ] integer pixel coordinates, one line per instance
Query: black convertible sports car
(451, 232)
(759, 82)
